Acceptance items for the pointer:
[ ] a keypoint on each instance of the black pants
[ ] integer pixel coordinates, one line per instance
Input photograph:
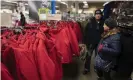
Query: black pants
(105, 75)
(90, 48)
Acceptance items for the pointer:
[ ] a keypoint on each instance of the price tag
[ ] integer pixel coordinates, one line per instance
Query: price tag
(43, 11)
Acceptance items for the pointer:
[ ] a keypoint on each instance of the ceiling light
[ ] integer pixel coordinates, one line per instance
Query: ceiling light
(64, 3)
(10, 1)
(26, 3)
(106, 3)
(84, 2)
(59, 0)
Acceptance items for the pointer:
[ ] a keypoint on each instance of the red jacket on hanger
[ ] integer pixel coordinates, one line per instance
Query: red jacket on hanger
(46, 66)
(5, 75)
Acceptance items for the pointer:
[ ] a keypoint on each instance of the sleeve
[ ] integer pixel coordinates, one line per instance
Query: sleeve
(114, 47)
(78, 32)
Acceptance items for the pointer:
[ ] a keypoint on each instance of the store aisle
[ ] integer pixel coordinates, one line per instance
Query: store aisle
(74, 71)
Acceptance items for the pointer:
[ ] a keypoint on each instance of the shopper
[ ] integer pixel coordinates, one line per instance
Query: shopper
(109, 49)
(92, 36)
(124, 67)
(22, 19)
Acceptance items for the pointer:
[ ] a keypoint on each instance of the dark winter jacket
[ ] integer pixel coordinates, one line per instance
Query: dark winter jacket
(110, 51)
(111, 47)
(22, 20)
(93, 31)
(125, 62)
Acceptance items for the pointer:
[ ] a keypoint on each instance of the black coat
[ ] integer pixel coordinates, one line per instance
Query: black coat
(125, 61)
(22, 20)
(93, 32)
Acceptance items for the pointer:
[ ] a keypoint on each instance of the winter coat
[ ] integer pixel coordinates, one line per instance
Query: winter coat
(22, 21)
(125, 62)
(107, 56)
(93, 31)
(5, 75)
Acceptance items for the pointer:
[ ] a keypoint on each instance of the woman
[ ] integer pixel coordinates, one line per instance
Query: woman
(108, 49)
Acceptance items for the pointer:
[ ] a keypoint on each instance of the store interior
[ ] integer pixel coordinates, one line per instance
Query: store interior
(62, 7)
(51, 36)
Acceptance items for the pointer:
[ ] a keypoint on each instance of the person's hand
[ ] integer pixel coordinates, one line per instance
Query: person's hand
(100, 47)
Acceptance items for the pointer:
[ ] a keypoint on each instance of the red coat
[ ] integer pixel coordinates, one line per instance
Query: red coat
(53, 52)
(56, 57)
(8, 59)
(63, 44)
(20, 64)
(73, 41)
(78, 32)
(46, 67)
(5, 75)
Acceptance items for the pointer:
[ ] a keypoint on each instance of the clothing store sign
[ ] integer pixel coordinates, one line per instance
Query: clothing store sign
(43, 13)
(54, 17)
(42, 17)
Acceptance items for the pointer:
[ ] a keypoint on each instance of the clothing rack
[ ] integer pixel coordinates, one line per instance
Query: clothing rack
(30, 27)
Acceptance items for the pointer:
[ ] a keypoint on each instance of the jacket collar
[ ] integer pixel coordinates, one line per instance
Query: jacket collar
(111, 32)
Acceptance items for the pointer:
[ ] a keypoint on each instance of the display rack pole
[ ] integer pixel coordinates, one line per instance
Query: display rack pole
(53, 6)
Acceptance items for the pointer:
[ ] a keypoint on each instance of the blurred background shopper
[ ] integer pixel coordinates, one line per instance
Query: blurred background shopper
(22, 19)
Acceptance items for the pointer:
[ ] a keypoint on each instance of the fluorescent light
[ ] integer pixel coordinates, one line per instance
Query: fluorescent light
(26, 3)
(10, 1)
(106, 3)
(84, 2)
(64, 3)
(59, 0)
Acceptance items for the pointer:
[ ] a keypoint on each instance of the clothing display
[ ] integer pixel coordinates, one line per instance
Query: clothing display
(66, 40)
(5, 75)
(38, 53)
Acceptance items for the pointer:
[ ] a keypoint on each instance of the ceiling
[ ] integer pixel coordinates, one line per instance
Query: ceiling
(13, 4)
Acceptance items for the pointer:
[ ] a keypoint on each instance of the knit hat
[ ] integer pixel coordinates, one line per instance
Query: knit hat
(98, 11)
(111, 23)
